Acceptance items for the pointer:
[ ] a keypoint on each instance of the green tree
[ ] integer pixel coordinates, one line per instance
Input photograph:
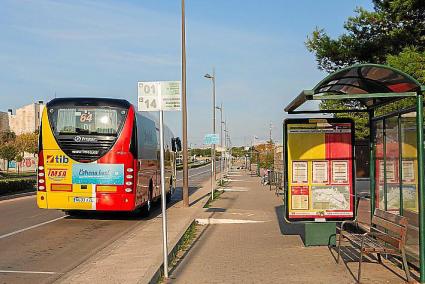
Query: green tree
(27, 142)
(371, 35)
(394, 34)
(8, 152)
(7, 136)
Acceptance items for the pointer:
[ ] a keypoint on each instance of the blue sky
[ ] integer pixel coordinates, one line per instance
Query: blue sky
(102, 48)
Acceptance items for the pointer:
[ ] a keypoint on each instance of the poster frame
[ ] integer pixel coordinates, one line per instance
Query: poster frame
(286, 175)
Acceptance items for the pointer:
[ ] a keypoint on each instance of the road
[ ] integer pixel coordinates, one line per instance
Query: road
(39, 246)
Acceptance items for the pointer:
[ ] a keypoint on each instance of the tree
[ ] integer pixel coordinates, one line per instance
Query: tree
(7, 136)
(8, 152)
(27, 142)
(372, 35)
(394, 33)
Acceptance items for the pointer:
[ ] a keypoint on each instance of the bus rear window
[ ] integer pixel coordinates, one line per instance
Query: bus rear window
(96, 121)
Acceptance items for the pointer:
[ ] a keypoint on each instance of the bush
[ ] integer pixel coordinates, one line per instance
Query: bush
(8, 186)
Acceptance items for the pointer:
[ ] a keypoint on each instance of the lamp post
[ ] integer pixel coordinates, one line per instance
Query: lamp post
(221, 139)
(212, 77)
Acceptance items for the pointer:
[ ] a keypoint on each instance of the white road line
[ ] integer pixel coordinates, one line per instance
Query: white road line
(232, 190)
(197, 174)
(225, 221)
(31, 227)
(28, 272)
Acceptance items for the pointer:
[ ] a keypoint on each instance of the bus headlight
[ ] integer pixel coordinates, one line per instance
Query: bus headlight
(129, 176)
(128, 190)
(130, 170)
(129, 183)
(41, 181)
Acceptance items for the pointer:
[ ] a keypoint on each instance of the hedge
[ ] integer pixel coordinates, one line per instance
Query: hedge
(13, 185)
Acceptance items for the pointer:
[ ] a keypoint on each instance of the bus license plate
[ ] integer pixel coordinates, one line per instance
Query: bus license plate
(84, 199)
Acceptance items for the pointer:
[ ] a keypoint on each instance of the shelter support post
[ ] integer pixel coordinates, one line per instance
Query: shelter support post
(372, 163)
(420, 153)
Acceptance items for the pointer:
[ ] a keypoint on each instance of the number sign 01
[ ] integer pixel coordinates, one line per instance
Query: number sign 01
(148, 96)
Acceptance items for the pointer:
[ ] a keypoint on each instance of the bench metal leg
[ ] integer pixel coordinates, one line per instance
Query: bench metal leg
(339, 245)
(360, 265)
(405, 266)
(379, 257)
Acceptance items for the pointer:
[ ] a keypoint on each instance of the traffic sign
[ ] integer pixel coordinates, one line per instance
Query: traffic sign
(160, 95)
(211, 139)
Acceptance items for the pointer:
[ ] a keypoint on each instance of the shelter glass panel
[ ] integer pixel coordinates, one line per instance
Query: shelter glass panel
(379, 160)
(409, 181)
(392, 154)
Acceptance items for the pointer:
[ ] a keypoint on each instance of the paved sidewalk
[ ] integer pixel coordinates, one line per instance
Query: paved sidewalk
(136, 257)
(262, 250)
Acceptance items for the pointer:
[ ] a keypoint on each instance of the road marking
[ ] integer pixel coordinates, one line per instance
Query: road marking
(197, 174)
(210, 221)
(28, 272)
(232, 190)
(31, 227)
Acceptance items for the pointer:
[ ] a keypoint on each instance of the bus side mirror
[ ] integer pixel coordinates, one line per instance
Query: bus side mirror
(173, 144)
(178, 144)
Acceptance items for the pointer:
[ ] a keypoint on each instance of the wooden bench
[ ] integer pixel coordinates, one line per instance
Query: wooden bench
(386, 235)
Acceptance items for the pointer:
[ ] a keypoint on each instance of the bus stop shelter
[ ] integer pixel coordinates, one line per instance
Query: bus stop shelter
(396, 139)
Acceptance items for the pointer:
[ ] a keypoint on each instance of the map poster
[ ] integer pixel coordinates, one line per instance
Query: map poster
(299, 197)
(299, 172)
(320, 172)
(408, 171)
(339, 171)
(331, 197)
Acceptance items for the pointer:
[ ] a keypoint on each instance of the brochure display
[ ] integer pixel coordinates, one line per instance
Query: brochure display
(320, 169)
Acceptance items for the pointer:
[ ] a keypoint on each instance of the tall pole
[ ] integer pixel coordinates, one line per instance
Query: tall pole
(184, 112)
(421, 189)
(163, 198)
(213, 145)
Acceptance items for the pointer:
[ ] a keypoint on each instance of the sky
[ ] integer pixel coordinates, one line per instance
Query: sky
(103, 48)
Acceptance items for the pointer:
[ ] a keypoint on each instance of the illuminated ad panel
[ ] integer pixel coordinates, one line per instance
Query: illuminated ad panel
(319, 169)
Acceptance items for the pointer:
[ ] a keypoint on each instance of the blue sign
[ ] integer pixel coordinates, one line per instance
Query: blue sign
(211, 139)
(12, 165)
(98, 174)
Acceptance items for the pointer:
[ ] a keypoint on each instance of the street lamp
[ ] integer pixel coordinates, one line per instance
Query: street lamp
(208, 76)
(221, 138)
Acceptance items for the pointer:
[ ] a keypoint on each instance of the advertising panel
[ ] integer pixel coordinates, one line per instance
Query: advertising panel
(320, 170)
(98, 174)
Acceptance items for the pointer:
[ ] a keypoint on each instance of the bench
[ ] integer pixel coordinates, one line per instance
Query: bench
(386, 235)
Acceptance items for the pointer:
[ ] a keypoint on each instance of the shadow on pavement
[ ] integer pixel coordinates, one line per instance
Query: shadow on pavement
(287, 228)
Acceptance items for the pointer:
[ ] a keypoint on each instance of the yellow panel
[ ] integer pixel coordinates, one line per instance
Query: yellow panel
(106, 188)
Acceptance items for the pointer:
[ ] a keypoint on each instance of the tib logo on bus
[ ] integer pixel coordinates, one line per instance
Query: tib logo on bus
(57, 159)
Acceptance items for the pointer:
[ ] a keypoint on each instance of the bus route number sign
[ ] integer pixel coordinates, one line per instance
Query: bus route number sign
(148, 96)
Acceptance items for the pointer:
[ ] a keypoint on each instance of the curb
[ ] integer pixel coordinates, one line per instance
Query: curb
(171, 255)
(17, 195)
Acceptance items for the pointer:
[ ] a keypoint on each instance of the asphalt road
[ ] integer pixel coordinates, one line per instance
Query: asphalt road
(39, 246)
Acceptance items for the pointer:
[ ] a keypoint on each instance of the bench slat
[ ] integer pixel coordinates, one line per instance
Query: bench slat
(388, 225)
(400, 220)
(391, 240)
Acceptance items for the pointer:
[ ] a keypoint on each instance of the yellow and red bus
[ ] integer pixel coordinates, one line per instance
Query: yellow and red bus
(100, 154)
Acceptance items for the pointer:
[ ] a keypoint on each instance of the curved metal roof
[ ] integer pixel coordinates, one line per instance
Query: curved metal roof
(370, 84)
(367, 79)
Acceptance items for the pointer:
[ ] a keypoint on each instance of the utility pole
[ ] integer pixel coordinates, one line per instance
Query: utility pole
(185, 191)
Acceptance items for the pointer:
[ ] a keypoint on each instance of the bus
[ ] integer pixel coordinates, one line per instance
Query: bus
(101, 154)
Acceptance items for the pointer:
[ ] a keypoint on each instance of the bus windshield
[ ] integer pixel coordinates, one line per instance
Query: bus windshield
(86, 120)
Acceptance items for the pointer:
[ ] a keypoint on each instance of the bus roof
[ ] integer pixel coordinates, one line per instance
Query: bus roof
(82, 101)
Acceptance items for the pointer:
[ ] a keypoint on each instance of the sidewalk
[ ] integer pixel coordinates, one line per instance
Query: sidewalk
(137, 256)
(246, 241)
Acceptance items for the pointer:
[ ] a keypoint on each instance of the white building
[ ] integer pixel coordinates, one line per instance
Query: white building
(26, 119)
